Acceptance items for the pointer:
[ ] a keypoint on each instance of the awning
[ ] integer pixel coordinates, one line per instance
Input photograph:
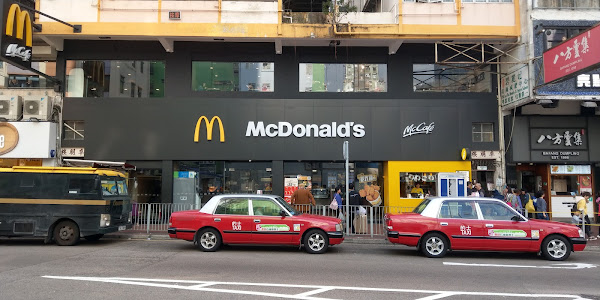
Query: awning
(98, 164)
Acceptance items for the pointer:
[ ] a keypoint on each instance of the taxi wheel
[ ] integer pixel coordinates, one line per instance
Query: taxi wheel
(66, 233)
(556, 247)
(434, 245)
(316, 241)
(208, 240)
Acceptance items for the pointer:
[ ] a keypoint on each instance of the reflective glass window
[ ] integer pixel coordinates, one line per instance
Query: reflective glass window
(115, 78)
(340, 78)
(233, 76)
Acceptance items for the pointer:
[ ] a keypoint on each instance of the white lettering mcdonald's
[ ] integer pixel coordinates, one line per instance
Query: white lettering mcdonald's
(285, 129)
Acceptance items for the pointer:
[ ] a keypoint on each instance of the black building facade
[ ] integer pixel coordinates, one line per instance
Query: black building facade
(268, 136)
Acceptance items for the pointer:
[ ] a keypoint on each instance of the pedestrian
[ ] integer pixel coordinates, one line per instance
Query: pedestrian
(541, 205)
(479, 190)
(469, 188)
(301, 199)
(578, 220)
(338, 197)
(515, 200)
(598, 202)
(354, 201)
(525, 198)
(582, 208)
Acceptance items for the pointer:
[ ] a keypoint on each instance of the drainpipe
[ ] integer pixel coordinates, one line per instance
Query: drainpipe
(220, 3)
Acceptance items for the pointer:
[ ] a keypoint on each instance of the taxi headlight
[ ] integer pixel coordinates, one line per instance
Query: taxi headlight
(581, 234)
(104, 220)
(338, 227)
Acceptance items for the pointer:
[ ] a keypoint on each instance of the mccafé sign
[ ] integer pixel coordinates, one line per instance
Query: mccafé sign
(282, 129)
(17, 34)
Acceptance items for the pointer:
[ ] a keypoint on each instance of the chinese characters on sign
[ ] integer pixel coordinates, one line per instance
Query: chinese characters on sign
(480, 154)
(568, 138)
(588, 80)
(574, 55)
(465, 230)
(174, 15)
(515, 86)
(73, 152)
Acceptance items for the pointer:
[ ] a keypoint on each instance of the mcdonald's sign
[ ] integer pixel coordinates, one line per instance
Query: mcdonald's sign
(209, 128)
(17, 34)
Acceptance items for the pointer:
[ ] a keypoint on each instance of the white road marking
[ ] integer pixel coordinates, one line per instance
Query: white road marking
(199, 286)
(572, 266)
(438, 296)
(313, 292)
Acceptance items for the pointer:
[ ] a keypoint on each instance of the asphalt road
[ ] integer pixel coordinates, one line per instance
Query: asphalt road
(141, 269)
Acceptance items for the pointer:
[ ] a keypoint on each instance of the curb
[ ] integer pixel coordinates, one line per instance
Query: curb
(349, 240)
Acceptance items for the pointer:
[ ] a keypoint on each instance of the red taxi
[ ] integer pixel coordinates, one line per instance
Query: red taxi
(254, 219)
(438, 225)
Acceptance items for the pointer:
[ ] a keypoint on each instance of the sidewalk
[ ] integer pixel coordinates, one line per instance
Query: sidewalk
(355, 239)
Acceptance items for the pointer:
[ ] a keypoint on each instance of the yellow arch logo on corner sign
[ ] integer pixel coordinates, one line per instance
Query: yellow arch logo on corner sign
(209, 128)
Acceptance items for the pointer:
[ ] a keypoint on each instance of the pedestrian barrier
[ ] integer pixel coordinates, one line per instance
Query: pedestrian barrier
(153, 218)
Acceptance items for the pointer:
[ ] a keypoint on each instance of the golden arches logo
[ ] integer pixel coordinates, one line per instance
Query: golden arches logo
(23, 24)
(209, 128)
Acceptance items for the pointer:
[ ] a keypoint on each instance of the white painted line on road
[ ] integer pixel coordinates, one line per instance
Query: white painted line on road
(173, 284)
(573, 266)
(313, 292)
(438, 296)
(201, 285)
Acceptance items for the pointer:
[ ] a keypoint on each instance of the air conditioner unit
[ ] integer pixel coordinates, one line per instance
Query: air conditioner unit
(11, 107)
(37, 108)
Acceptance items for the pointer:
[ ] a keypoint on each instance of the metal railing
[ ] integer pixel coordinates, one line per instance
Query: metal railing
(154, 217)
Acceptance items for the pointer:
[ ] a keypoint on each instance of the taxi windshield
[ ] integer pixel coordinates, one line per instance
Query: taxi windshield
(287, 206)
(419, 209)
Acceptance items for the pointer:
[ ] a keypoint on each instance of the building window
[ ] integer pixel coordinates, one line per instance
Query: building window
(113, 78)
(132, 90)
(575, 4)
(483, 132)
(555, 36)
(339, 78)
(139, 91)
(447, 78)
(73, 130)
(14, 77)
(122, 84)
(487, 1)
(233, 76)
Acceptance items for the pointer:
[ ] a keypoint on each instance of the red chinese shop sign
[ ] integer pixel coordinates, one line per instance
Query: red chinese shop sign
(576, 54)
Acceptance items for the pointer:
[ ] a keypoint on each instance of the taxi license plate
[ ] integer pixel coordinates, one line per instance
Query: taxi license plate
(122, 227)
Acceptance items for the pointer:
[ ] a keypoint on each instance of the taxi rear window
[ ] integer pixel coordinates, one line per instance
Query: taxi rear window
(421, 207)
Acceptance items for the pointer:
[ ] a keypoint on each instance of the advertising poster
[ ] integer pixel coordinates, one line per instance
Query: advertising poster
(290, 186)
(368, 189)
(585, 184)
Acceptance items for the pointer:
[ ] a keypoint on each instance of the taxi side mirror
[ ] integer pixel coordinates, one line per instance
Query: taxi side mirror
(282, 213)
(516, 218)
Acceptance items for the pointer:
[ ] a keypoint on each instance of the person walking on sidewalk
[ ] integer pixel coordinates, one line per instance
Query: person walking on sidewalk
(301, 198)
(581, 206)
(541, 205)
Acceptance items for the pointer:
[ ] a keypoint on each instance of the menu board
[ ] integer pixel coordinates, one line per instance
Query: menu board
(570, 169)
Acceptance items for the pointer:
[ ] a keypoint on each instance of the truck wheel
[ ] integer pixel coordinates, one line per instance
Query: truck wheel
(556, 247)
(316, 241)
(66, 233)
(434, 245)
